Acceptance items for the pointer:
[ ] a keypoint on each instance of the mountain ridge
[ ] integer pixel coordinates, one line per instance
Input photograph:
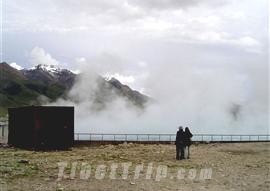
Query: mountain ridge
(28, 86)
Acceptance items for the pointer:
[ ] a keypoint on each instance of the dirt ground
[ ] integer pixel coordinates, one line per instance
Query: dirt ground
(229, 166)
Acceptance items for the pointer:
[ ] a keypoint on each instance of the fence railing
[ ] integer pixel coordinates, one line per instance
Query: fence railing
(169, 137)
(153, 137)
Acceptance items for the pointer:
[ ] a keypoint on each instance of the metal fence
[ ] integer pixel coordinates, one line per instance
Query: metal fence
(169, 137)
(3, 131)
(152, 137)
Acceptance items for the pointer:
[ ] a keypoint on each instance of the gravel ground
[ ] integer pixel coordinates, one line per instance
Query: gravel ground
(228, 166)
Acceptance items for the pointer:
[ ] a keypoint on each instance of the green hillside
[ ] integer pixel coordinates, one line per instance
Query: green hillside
(29, 87)
(16, 90)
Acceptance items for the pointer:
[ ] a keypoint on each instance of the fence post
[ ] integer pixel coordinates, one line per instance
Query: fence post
(231, 138)
(159, 137)
(137, 137)
(102, 137)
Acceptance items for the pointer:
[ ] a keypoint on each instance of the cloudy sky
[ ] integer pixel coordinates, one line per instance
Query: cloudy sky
(134, 34)
(196, 57)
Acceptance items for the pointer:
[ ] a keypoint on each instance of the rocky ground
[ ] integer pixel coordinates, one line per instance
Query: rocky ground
(234, 166)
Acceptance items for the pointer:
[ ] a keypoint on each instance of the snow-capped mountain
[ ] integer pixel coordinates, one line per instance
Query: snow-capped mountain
(24, 87)
(49, 68)
(16, 66)
(49, 74)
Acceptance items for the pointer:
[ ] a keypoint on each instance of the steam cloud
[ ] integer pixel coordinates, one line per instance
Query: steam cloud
(205, 62)
(39, 56)
(207, 99)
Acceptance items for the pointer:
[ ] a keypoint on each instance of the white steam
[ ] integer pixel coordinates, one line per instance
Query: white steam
(208, 100)
(39, 56)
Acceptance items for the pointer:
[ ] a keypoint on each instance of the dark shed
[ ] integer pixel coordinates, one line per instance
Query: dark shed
(41, 127)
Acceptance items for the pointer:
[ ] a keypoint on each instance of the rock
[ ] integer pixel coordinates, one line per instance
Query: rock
(3, 145)
(23, 161)
(59, 187)
(244, 184)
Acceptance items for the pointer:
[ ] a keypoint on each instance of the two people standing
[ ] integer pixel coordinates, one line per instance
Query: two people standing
(182, 142)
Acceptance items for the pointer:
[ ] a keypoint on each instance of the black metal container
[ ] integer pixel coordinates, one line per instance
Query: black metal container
(41, 127)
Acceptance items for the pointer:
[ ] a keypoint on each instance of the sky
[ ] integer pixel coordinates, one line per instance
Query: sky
(187, 51)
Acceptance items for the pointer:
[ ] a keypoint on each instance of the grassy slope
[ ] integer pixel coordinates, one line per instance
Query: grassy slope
(235, 166)
(22, 92)
(16, 90)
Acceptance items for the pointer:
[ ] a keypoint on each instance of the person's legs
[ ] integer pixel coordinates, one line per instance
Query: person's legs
(177, 152)
(182, 148)
(187, 152)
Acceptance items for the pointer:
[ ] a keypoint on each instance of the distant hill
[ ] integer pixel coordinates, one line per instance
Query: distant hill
(27, 87)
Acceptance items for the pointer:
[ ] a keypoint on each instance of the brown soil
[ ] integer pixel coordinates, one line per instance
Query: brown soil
(235, 166)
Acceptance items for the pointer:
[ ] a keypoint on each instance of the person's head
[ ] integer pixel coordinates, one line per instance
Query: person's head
(180, 128)
(187, 129)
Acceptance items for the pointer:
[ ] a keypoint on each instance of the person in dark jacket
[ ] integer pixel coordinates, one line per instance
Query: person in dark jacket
(179, 142)
(187, 140)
